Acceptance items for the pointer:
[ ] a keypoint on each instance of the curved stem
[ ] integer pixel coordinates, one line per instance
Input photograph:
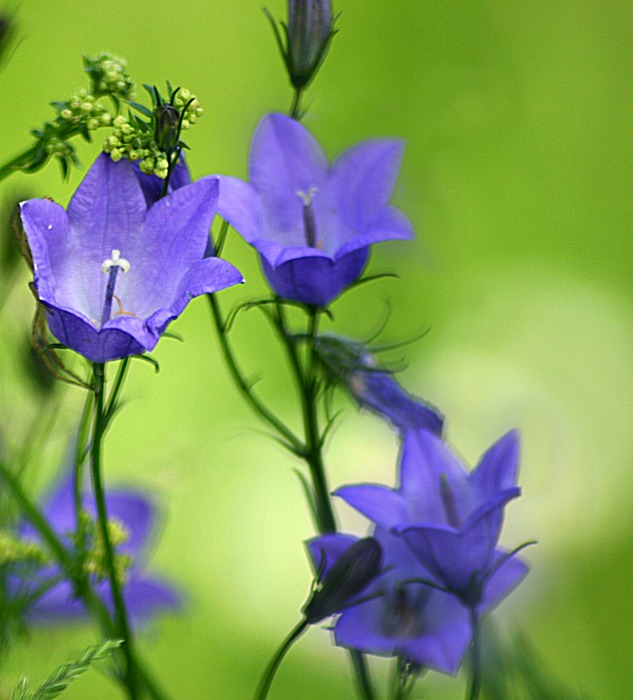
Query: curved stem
(472, 692)
(269, 674)
(262, 411)
(122, 622)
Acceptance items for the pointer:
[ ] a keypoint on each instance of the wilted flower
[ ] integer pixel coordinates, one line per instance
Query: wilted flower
(112, 273)
(351, 365)
(426, 627)
(132, 520)
(313, 224)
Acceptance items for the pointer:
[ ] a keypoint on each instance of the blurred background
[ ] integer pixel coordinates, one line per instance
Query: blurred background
(517, 176)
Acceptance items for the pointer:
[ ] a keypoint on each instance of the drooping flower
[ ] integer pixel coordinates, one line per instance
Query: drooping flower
(392, 617)
(451, 518)
(351, 365)
(113, 273)
(313, 224)
(132, 517)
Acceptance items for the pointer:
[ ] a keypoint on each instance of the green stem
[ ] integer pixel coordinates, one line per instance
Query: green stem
(269, 674)
(122, 622)
(365, 689)
(295, 107)
(472, 692)
(307, 384)
(244, 387)
(305, 379)
(16, 163)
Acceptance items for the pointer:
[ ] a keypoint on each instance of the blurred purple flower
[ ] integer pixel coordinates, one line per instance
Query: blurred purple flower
(152, 259)
(350, 364)
(134, 515)
(393, 618)
(450, 518)
(313, 224)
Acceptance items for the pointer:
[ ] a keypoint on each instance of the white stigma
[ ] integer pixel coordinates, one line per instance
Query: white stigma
(307, 197)
(115, 261)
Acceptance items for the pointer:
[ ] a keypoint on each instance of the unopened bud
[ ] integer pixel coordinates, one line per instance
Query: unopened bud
(309, 34)
(353, 571)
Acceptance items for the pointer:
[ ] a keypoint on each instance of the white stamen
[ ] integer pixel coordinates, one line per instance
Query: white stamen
(307, 197)
(115, 261)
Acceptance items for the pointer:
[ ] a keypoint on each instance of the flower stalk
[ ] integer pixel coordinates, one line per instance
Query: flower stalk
(121, 617)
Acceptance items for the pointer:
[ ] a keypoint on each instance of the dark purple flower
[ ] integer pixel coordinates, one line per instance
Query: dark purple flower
(449, 517)
(111, 272)
(312, 224)
(392, 617)
(350, 364)
(132, 514)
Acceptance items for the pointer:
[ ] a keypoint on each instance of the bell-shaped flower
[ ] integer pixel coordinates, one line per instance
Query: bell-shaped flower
(112, 272)
(312, 223)
(132, 521)
(393, 617)
(451, 518)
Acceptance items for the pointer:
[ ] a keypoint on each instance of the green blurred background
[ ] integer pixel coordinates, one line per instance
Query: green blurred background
(517, 176)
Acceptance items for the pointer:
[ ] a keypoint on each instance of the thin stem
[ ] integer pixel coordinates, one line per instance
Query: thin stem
(295, 107)
(362, 675)
(269, 674)
(245, 389)
(111, 405)
(472, 692)
(122, 622)
(307, 386)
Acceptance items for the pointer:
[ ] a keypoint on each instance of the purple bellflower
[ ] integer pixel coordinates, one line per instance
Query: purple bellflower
(111, 272)
(132, 517)
(451, 518)
(313, 224)
(350, 364)
(426, 627)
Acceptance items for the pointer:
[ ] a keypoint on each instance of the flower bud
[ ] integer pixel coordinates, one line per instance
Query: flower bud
(309, 34)
(167, 118)
(353, 571)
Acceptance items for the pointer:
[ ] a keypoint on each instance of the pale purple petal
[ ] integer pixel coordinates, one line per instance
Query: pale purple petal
(285, 159)
(379, 504)
(240, 205)
(390, 224)
(174, 238)
(504, 580)
(425, 458)
(363, 178)
(497, 469)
